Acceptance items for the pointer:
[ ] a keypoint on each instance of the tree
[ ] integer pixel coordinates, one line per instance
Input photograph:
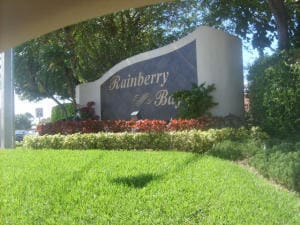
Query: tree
(275, 93)
(258, 21)
(42, 69)
(52, 65)
(280, 14)
(23, 121)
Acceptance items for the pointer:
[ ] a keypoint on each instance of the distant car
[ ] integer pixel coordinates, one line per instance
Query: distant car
(20, 134)
(32, 132)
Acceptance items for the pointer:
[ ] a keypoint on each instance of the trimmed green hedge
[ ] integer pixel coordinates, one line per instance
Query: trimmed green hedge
(192, 141)
(235, 150)
(280, 163)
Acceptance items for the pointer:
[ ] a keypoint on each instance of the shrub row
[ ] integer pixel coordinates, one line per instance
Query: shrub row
(193, 141)
(275, 93)
(94, 126)
(235, 150)
(281, 163)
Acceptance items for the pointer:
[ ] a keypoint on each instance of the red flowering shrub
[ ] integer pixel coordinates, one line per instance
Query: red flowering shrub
(150, 125)
(189, 124)
(94, 126)
(88, 112)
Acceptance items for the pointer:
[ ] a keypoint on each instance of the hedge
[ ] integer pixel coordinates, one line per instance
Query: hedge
(274, 93)
(276, 160)
(235, 150)
(191, 141)
(280, 163)
(146, 125)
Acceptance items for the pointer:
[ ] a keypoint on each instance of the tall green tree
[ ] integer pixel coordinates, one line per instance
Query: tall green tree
(257, 21)
(275, 93)
(51, 66)
(23, 121)
(42, 69)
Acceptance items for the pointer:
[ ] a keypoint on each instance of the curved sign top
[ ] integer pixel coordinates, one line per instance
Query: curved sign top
(147, 86)
(144, 84)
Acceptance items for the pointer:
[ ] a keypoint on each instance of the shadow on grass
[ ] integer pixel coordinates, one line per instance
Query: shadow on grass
(143, 179)
(138, 181)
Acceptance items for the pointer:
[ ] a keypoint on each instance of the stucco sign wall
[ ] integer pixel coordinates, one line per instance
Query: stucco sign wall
(147, 86)
(145, 82)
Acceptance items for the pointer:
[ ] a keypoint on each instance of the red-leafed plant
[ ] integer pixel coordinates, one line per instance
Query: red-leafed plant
(146, 125)
(88, 112)
(150, 125)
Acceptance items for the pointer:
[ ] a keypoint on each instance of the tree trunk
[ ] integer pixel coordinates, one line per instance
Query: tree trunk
(71, 72)
(280, 13)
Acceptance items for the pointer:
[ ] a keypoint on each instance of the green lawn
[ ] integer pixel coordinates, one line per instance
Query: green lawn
(115, 187)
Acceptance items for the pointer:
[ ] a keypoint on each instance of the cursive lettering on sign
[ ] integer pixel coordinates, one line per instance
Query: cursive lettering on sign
(162, 98)
(116, 82)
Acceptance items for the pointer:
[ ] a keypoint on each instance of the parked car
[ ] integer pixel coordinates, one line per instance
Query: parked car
(20, 134)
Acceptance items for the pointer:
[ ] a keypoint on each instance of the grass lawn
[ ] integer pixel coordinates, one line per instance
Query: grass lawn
(115, 187)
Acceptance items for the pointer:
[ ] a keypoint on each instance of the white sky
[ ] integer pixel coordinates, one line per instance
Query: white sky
(22, 107)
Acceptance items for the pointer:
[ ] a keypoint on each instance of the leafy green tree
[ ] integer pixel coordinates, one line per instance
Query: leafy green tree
(257, 21)
(52, 65)
(275, 93)
(23, 121)
(196, 102)
(58, 114)
(42, 69)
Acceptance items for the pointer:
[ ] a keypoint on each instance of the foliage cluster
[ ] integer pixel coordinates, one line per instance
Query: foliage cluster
(58, 113)
(88, 112)
(235, 150)
(52, 65)
(68, 112)
(93, 126)
(195, 102)
(109, 187)
(277, 160)
(258, 22)
(193, 140)
(23, 121)
(281, 163)
(275, 93)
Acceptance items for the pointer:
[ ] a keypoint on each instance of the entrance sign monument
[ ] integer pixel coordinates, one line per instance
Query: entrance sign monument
(20, 23)
(147, 86)
(144, 83)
